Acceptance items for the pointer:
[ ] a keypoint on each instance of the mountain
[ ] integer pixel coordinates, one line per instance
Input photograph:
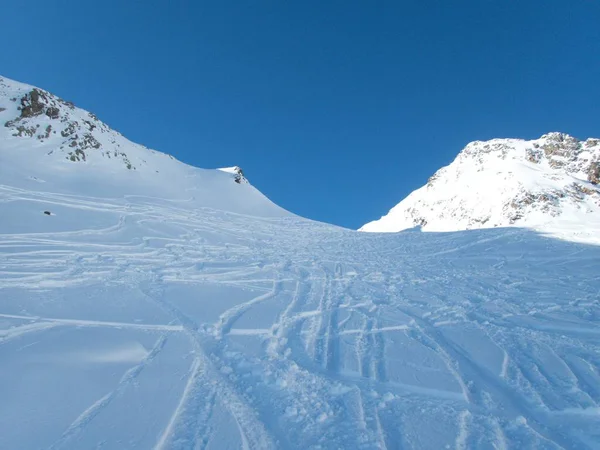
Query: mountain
(46, 139)
(548, 184)
(146, 304)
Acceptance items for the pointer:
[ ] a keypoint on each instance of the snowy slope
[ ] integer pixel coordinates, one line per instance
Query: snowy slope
(549, 184)
(180, 309)
(50, 144)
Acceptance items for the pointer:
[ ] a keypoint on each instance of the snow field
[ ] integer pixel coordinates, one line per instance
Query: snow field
(153, 328)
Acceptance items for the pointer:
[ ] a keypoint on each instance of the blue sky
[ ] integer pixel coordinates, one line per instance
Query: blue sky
(335, 110)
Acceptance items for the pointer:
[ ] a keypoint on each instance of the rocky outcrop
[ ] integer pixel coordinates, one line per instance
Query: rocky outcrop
(559, 149)
(76, 133)
(239, 175)
(236, 172)
(594, 172)
(33, 104)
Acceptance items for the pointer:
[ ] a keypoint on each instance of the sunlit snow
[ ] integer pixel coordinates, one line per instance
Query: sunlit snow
(169, 307)
(543, 184)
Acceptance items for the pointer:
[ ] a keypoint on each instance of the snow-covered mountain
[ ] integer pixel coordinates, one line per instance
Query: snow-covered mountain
(147, 304)
(548, 184)
(46, 139)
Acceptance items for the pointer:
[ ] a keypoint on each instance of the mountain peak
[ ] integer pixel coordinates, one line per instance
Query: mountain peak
(44, 138)
(549, 184)
(29, 112)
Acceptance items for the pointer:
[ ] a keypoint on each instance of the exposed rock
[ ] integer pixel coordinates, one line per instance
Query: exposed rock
(69, 130)
(534, 155)
(559, 148)
(77, 155)
(594, 173)
(75, 134)
(583, 190)
(420, 222)
(46, 135)
(53, 112)
(89, 141)
(239, 175)
(432, 179)
(33, 103)
(90, 125)
(24, 131)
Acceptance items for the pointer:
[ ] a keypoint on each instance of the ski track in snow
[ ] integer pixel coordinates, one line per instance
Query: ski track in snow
(361, 341)
(207, 383)
(47, 322)
(79, 424)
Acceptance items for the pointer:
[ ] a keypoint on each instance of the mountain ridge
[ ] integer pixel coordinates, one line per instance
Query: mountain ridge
(44, 137)
(548, 184)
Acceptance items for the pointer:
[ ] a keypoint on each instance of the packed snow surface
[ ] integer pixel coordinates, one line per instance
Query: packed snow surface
(169, 307)
(548, 184)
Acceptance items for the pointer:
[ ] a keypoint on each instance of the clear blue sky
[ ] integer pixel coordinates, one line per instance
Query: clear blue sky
(336, 110)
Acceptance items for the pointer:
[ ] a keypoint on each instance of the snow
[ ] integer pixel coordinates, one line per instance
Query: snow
(180, 309)
(542, 185)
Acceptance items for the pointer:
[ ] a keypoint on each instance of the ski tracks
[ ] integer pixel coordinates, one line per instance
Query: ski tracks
(370, 349)
(189, 425)
(370, 353)
(83, 420)
(286, 322)
(18, 331)
(326, 339)
(228, 318)
(206, 385)
(489, 396)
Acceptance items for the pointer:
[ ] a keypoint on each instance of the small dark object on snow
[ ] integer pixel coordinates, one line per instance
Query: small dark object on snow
(48, 213)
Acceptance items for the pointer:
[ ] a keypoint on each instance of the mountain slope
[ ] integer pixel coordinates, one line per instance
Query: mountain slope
(48, 140)
(549, 184)
(143, 315)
